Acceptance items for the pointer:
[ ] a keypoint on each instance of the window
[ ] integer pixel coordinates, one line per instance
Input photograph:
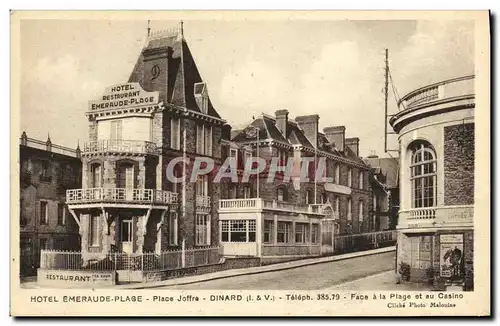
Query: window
(61, 214)
(45, 169)
(232, 192)
(202, 230)
(423, 175)
(349, 209)
(337, 174)
(324, 198)
(247, 192)
(374, 202)
(172, 229)
(360, 211)
(281, 194)
(175, 133)
(349, 177)
(116, 130)
(284, 232)
(337, 204)
(204, 140)
(301, 230)
(238, 231)
(309, 197)
(233, 152)
(43, 244)
(94, 231)
(44, 212)
(315, 233)
(420, 254)
(248, 157)
(282, 156)
(202, 185)
(268, 231)
(361, 180)
(96, 174)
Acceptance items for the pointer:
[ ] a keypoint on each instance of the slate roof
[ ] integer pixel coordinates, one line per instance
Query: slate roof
(295, 136)
(181, 76)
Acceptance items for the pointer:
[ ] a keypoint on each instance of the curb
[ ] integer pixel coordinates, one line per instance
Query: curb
(257, 270)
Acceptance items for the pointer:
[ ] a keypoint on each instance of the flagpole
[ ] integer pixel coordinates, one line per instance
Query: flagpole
(258, 177)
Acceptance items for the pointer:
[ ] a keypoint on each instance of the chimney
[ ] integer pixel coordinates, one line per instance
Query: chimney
(372, 155)
(282, 121)
(336, 136)
(309, 124)
(353, 144)
(226, 132)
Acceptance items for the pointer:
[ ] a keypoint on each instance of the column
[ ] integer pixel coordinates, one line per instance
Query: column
(141, 231)
(275, 230)
(258, 233)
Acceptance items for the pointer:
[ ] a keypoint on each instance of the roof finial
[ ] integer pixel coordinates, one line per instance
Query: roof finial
(181, 29)
(149, 28)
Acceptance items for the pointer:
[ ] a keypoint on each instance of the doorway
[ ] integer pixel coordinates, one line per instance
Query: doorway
(126, 236)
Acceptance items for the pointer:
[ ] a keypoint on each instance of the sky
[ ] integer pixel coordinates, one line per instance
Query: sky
(331, 68)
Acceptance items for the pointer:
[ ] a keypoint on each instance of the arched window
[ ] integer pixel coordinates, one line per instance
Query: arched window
(423, 175)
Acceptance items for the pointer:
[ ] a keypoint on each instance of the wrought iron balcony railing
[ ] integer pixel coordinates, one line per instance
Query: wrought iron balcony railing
(120, 146)
(120, 195)
(228, 205)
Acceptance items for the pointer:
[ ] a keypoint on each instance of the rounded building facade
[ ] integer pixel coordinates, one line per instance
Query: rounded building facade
(435, 126)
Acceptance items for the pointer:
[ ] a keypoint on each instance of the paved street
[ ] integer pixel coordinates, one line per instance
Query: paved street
(311, 277)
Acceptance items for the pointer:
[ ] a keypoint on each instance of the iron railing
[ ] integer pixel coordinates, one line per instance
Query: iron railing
(364, 241)
(90, 195)
(150, 261)
(120, 146)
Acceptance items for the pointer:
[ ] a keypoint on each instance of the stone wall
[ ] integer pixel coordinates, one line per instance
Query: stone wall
(459, 164)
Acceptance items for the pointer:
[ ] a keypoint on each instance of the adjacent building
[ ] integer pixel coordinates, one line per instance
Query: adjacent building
(287, 219)
(436, 217)
(384, 180)
(162, 113)
(46, 171)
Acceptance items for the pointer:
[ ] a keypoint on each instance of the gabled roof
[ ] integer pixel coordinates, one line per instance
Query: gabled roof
(388, 166)
(295, 136)
(181, 76)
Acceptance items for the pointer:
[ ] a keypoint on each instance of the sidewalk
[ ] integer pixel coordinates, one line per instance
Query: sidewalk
(31, 283)
(385, 281)
(253, 270)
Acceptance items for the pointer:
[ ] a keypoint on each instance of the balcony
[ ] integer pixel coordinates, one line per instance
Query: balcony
(448, 89)
(439, 216)
(259, 204)
(132, 147)
(203, 203)
(120, 196)
(445, 96)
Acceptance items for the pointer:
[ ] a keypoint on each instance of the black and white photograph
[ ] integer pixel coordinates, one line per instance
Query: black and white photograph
(289, 160)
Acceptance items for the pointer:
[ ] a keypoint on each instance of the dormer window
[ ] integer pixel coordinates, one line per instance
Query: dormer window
(201, 96)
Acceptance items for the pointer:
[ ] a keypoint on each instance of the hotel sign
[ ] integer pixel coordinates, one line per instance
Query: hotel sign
(124, 96)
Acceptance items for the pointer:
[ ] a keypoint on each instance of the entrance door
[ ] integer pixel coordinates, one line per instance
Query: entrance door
(126, 236)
